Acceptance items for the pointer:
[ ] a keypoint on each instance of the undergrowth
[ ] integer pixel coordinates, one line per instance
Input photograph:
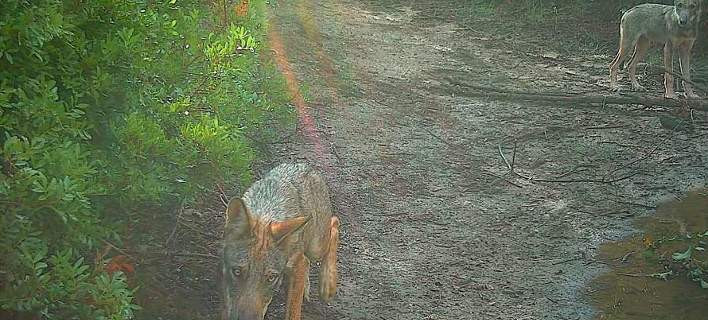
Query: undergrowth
(108, 108)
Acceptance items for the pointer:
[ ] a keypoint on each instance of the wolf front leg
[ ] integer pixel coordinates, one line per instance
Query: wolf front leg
(328, 273)
(669, 70)
(307, 280)
(296, 287)
(685, 60)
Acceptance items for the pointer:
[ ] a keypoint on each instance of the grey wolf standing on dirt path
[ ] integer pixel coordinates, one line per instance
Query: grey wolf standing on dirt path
(674, 26)
(282, 223)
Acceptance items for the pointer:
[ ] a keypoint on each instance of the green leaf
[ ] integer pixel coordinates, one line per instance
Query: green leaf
(683, 256)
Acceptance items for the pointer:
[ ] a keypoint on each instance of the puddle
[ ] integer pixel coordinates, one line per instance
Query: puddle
(633, 289)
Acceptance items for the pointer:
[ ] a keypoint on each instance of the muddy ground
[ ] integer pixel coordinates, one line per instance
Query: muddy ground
(434, 225)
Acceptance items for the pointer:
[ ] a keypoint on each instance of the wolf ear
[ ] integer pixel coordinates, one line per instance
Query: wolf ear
(280, 229)
(237, 218)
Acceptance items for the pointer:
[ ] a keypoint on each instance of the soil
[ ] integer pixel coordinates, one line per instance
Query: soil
(451, 207)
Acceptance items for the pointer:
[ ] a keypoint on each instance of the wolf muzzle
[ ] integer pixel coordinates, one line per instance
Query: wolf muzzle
(686, 18)
(246, 309)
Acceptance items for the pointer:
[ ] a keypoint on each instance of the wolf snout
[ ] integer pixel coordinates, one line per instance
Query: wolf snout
(245, 316)
(243, 311)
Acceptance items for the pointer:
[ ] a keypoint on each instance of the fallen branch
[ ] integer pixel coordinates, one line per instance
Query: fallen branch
(222, 195)
(663, 275)
(602, 181)
(470, 90)
(566, 260)
(119, 250)
(629, 203)
(504, 158)
(172, 234)
(513, 158)
(626, 256)
(195, 254)
(197, 230)
(679, 76)
(440, 138)
(646, 156)
(502, 178)
(635, 275)
(574, 170)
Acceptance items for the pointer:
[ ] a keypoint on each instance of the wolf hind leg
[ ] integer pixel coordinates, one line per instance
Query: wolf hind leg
(640, 51)
(627, 41)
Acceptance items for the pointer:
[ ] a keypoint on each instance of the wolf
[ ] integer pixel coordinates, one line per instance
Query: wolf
(673, 26)
(282, 223)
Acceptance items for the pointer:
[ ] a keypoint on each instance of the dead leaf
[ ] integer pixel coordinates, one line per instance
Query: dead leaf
(242, 8)
(119, 263)
(648, 241)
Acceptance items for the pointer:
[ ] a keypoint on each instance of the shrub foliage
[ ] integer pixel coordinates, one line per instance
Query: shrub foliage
(107, 107)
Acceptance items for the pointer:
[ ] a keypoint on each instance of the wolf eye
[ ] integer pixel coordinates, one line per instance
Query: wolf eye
(236, 271)
(272, 277)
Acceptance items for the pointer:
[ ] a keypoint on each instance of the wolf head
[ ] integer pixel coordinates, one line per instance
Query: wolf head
(253, 262)
(688, 12)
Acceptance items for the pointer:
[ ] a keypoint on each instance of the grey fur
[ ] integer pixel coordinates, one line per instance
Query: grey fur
(673, 26)
(281, 223)
(278, 196)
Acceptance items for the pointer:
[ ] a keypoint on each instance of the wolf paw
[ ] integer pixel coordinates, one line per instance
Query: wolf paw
(328, 289)
(671, 95)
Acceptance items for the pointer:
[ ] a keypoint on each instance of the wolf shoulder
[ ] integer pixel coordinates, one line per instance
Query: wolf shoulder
(279, 195)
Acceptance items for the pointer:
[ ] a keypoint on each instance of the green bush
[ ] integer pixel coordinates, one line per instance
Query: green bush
(107, 107)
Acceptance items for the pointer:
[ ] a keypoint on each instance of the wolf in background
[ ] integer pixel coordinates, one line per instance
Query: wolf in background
(674, 26)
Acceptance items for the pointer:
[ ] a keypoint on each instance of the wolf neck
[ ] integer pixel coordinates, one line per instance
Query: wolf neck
(272, 200)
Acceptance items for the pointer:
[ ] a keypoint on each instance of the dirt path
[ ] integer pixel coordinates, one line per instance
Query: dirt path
(433, 227)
